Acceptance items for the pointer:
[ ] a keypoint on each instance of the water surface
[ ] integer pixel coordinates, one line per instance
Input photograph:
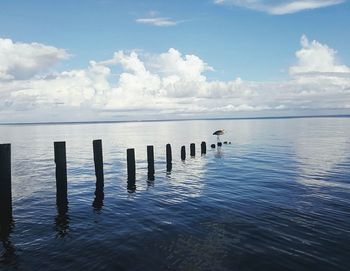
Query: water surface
(277, 198)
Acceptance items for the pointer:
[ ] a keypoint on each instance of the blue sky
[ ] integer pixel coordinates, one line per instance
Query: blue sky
(235, 38)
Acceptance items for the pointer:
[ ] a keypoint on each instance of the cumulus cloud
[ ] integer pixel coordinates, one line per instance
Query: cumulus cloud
(23, 60)
(280, 7)
(167, 85)
(316, 58)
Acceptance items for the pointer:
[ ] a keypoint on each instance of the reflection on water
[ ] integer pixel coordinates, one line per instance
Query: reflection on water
(98, 201)
(169, 168)
(319, 155)
(150, 177)
(150, 183)
(219, 152)
(131, 187)
(99, 196)
(8, 254)
(62, 222)
(277, 198)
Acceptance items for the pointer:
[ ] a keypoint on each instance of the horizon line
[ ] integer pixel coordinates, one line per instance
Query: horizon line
(164, 120)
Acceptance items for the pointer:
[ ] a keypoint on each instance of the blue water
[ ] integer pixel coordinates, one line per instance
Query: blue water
(277, 198)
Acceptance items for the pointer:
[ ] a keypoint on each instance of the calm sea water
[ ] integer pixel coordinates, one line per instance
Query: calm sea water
(277, 198)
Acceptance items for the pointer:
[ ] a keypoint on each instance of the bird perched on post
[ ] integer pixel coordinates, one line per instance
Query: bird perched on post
(218, 133)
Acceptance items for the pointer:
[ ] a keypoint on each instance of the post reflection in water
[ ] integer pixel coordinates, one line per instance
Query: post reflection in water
(8, 255)
(62, 221)
(150, 181)
(219, 153)
(99, 197)
(169, 168)
(168, 175)
(131, 187)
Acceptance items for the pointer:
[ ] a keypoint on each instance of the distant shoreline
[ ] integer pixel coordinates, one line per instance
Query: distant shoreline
(168, 120)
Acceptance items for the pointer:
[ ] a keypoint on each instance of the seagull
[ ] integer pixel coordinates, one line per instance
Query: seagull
(218, 133)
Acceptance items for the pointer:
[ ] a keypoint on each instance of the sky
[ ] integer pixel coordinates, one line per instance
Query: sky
(91, 60)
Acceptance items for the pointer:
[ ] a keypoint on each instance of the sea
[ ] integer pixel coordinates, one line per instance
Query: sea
(276, 198)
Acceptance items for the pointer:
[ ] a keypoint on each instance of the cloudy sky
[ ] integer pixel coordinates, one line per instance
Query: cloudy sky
(134, 60)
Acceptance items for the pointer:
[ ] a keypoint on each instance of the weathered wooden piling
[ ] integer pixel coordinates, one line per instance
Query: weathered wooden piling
(193, 149)
(203, 147)
(219, 144)
(213, 146)
(61, 174)
(5, 184)
(150, 161)
(130, 153)
(183, 153)
(98, 161)
(169, 158)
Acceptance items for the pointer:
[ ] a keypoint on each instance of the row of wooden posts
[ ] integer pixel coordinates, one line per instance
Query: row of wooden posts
(61, 171)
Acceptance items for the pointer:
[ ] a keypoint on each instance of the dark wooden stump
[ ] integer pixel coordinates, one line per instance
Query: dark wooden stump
(150, 161)
(183, 153)
(193, 149)
(5, 184)
(203, 148)
(61, 175)
(131, 164)
(130, 153)
(98, 161)
(168, 158)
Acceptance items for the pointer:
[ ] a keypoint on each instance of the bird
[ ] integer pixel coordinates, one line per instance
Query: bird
(218, 133)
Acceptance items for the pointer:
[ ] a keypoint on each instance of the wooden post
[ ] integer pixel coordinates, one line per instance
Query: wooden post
(5, 184)
(183, 153)
(168, 158)
(193, 149)
(130, 153)
(98, 160)
(150, 161)
(203, 148)
(131, 164)
(61, 174)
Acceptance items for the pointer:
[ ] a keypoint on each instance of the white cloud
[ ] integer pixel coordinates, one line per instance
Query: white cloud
(316, 58)
(153, 18)
(172, 63)
(166, 85)
(23, 60)
(157, 21)
(280, 7)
